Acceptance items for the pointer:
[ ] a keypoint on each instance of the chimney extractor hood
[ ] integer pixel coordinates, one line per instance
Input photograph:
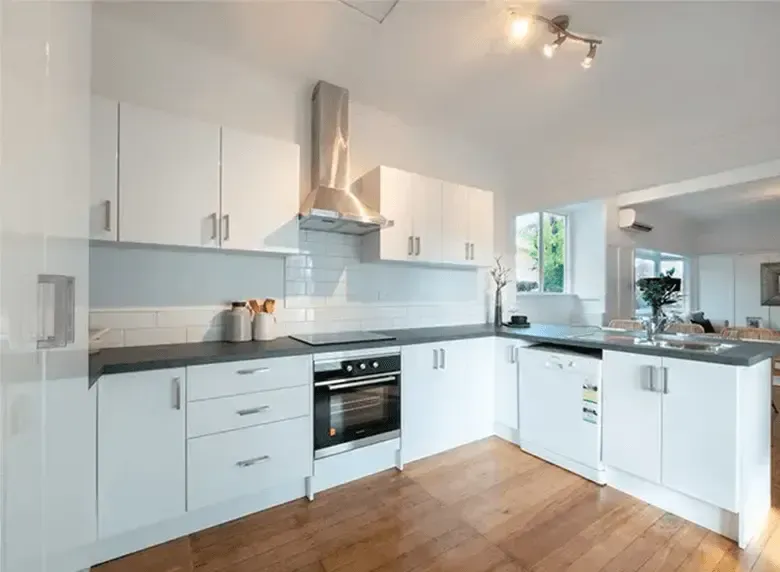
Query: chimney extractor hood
(332, 205)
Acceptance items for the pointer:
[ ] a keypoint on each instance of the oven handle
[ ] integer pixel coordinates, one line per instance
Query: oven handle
(376, 381)
(360, 378)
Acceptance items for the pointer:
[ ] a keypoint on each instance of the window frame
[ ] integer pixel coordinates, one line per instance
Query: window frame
(540, 249)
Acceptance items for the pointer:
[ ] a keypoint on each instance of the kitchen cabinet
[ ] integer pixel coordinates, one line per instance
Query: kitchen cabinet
(467, 225)
(699, 434)
(104, 162)
(260, 193)
(673, 422)
(141, 449)
(168, 179)
(507, 406)
(434, 222)
(631, 437)
(446, 396)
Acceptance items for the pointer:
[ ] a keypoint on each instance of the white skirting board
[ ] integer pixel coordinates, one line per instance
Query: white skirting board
(133, 541)
(507, 433)
(347, 467)
(729, 524)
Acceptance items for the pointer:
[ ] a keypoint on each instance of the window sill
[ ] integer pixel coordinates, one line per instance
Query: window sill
(545, 294)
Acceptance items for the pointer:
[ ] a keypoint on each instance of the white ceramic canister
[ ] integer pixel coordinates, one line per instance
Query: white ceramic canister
(264, 327)
(238, 327)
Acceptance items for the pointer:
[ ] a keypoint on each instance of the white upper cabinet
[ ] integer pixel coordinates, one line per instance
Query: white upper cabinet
(467, 218)
(426, 217)
(434, 221)
(168, 179)
(456, 243)
(104, 160)
(481, 220)
(260, 193)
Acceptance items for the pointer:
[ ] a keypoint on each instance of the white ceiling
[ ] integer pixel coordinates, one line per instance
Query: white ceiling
(681, 70)
(759, 198)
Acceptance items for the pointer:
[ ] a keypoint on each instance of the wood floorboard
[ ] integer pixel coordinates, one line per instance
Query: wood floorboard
(484, 507)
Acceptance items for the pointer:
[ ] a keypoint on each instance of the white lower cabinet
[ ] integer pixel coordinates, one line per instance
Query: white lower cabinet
(141, 449)
(673, 422)
(446, 396)
(244, 462)
(507, 406)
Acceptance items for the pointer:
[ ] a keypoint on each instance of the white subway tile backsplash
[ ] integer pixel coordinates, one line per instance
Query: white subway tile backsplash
(155, 336)
(326, 289)
(116, 319)
(110, 339)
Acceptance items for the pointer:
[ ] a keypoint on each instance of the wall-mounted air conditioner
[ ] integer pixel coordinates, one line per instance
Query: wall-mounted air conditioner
(627, 221)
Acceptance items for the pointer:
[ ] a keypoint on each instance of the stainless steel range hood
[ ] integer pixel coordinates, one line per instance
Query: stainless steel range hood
(332, 205)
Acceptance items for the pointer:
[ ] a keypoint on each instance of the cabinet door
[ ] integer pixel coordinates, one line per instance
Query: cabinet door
(395, 198)
(141, 449)
(104, 159)
(424, 403)
(455, 245)
(481, 226)
(426, 210)
(470, 376)
(507, 408)
(699, 431)
(168, 179)
(260, 193)
(632, 415)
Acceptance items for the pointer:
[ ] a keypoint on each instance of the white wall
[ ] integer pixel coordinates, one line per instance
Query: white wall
(747, 233)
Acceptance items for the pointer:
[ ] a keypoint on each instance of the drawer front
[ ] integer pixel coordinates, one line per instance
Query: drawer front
(244, 462)
(239, 377)
(238, 411)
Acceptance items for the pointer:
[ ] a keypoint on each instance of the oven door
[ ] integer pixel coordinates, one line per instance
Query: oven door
(355, 412)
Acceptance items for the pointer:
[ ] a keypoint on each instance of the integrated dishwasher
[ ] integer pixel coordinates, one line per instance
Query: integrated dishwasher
(560, 407)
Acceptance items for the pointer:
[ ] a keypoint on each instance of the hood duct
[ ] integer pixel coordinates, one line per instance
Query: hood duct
(332, 205)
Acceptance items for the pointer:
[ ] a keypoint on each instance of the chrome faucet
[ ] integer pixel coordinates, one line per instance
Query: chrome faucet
(657, 324)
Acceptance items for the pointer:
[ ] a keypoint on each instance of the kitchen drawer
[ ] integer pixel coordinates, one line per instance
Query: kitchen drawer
(239, 377)
(244, 462)
(238, 411)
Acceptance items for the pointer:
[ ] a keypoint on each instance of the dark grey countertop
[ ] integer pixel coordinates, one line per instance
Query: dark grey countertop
(142, 358)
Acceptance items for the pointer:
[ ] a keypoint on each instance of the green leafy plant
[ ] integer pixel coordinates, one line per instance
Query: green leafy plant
(660, 291)
(553, 242)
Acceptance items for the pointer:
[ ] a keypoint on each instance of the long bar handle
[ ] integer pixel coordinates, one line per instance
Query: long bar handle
(665, 380)
(417, 246)
(443, 355)
(254, 371)
(360, 383)
(253, 410)
(107, 222)
(226, 221)
(214, 226)
(472, 251)
(176, 393)
(253, 461)
(411, 245)
(467, 251)
(435, 359)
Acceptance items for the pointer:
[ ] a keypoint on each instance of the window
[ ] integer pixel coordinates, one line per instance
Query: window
(650, 263)
(540, 252)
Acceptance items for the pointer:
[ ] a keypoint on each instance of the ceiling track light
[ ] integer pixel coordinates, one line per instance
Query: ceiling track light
(520, 26)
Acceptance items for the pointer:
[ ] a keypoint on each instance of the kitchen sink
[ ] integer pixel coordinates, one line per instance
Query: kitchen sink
(665, 341)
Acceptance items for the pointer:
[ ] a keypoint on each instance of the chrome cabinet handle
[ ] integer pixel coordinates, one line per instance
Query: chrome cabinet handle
(177, 393)
(376, 381)
(417, 246)
(214, 224)
(647, 378)
(511, 354)
(665, 380)
(254, 371)
(517, 354)
(107, 225)
(253, 410)
(435, 359)
(467, 251)
(443, 357)
(253, 461)
(411, 245)
(472, 251)
(226, 221)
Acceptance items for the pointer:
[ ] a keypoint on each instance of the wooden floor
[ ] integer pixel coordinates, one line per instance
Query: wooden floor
(485, 507)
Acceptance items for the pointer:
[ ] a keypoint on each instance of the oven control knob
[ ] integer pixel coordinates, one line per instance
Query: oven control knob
(375, 364)
(362, 366)
(349, 368)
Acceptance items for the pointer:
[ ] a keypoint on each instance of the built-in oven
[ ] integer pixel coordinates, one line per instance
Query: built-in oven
(357, 399)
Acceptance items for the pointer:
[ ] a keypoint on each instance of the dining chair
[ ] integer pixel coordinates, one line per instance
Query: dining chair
(680, 328)
(626, 324)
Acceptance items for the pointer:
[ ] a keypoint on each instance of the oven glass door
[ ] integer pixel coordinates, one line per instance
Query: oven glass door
(351, 411)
